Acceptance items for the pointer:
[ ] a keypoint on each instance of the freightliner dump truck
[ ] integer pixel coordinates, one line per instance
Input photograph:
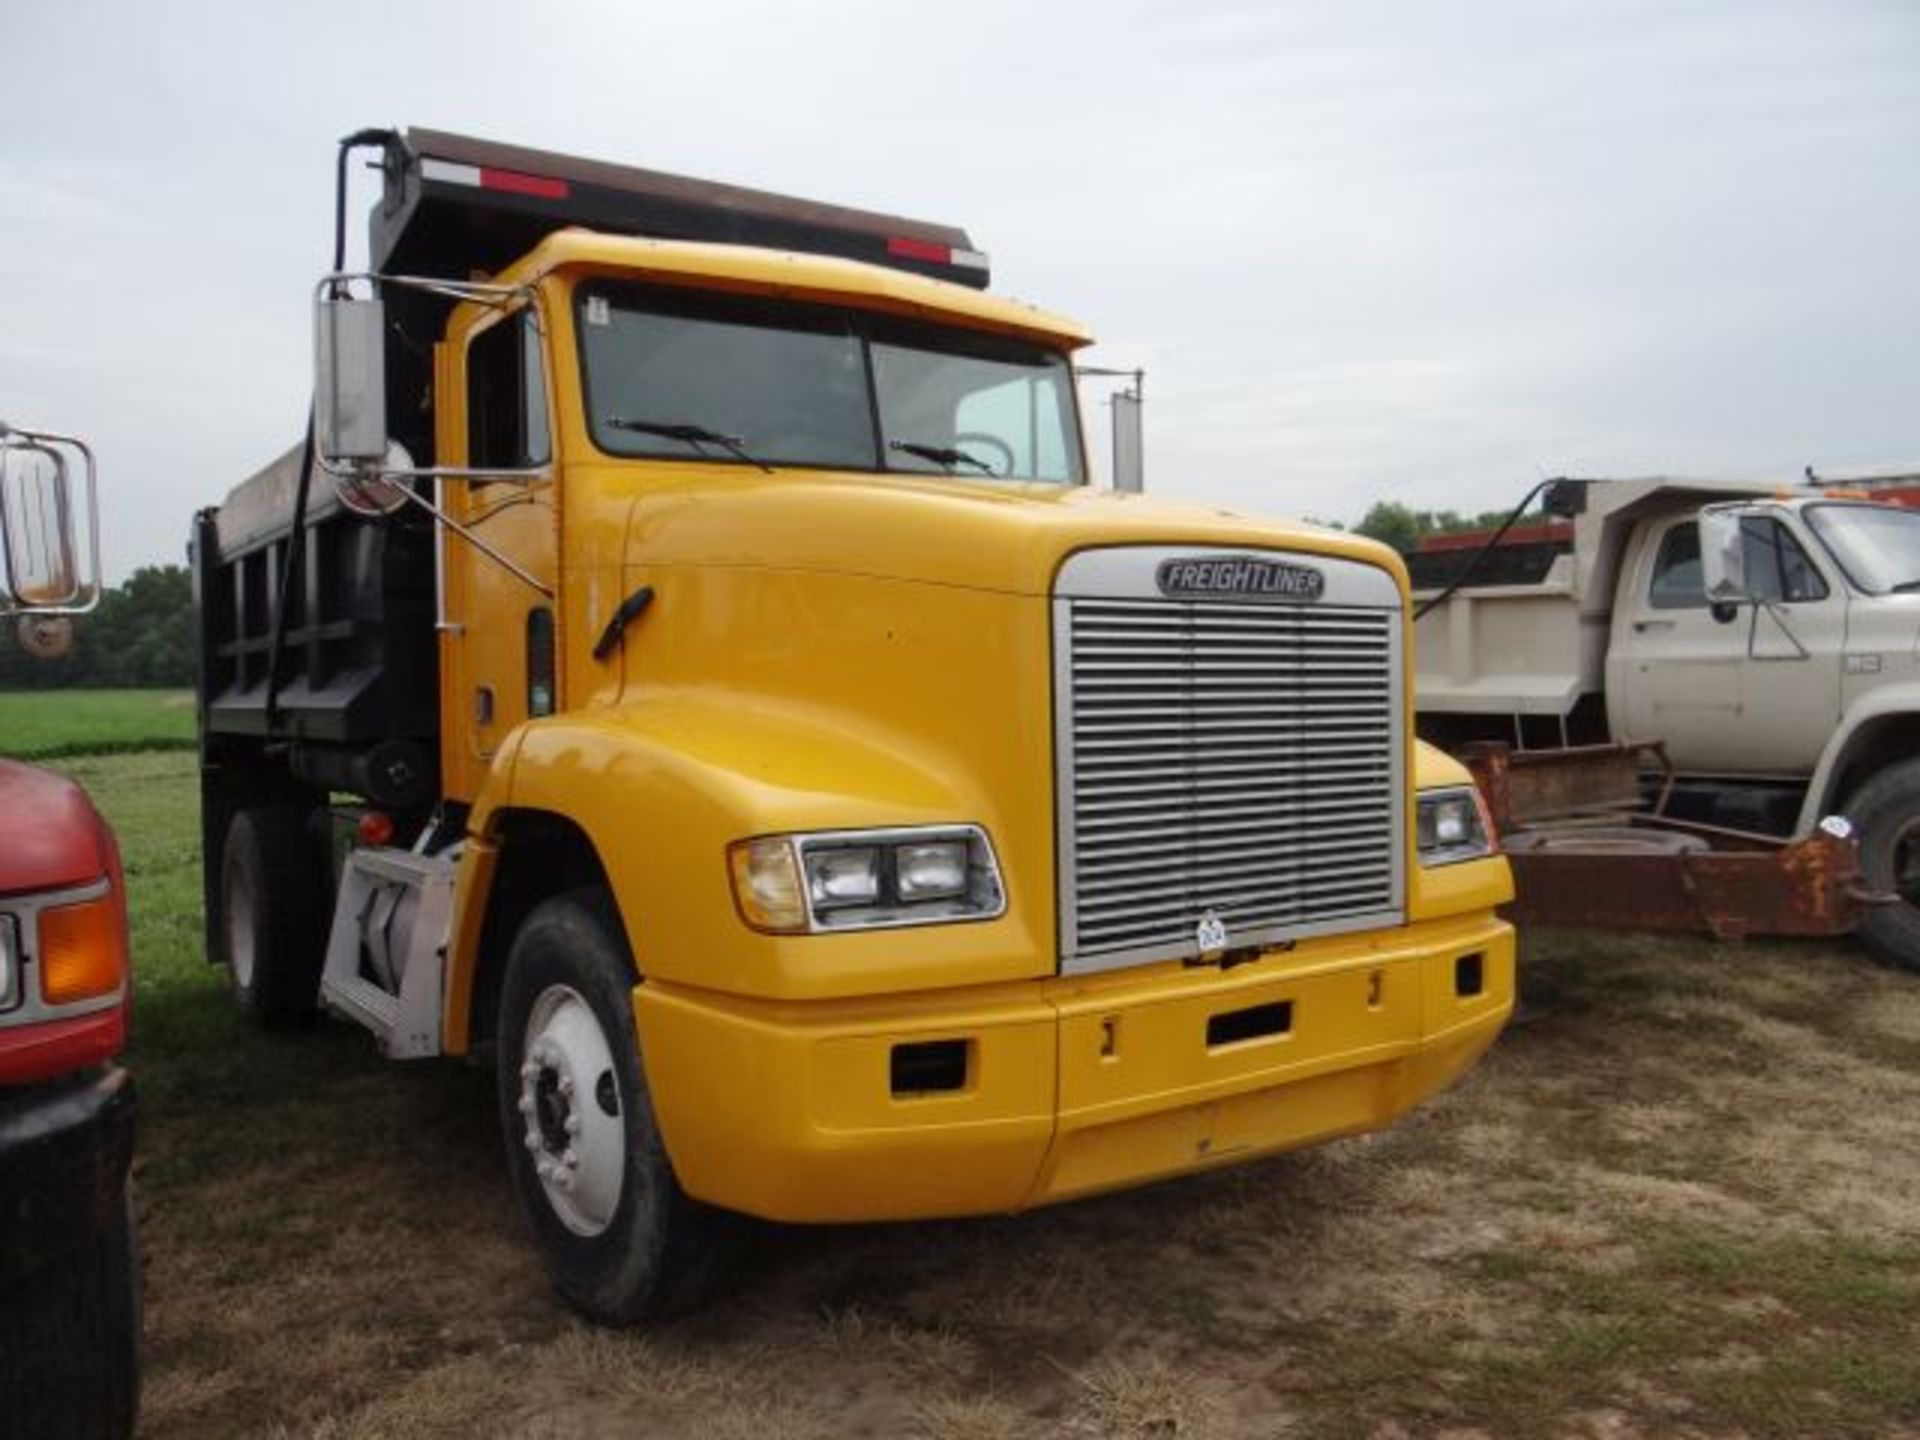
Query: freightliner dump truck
(688, 667)
(1696, 702)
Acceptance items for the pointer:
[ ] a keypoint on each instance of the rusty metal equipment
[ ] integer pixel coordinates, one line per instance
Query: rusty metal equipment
(1591, 845)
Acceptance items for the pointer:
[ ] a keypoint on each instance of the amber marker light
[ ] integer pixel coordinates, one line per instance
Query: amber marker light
(766, 885)
(83, 951)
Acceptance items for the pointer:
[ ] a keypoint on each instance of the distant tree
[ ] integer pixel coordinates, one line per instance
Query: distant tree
(1402, 527)
(141, 635)
(1391, 523)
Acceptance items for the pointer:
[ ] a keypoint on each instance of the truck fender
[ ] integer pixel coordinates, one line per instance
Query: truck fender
(1885, 719)
(658, 791)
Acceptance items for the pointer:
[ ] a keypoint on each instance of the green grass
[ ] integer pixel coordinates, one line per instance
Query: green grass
(58, 724)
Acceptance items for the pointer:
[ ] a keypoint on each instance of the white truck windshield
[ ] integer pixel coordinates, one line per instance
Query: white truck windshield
(736, 378)
(1877, 545)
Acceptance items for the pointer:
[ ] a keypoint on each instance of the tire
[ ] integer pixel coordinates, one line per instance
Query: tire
(1886, 812)
(274, 914)
(621, 1240)
(70, 1340)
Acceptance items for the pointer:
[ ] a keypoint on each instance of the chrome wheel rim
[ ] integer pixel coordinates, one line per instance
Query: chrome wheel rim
(569, 1109)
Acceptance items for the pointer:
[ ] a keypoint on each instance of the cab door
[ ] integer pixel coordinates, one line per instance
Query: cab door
(1795, 634)
(498, 632)
(1747, 690)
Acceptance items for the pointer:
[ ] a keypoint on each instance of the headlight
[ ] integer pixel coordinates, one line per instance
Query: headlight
(866, 879)
(1452, 825)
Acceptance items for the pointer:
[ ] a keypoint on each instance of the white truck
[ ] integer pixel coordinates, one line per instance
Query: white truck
(1767, 637)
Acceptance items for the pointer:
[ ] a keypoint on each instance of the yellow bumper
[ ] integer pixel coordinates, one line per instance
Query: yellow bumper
(1069, 1086)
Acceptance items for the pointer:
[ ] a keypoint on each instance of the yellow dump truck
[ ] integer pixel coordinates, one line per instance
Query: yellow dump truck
(688, 667)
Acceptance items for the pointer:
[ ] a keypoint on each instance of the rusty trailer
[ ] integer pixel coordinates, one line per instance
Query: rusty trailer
(1591, 845)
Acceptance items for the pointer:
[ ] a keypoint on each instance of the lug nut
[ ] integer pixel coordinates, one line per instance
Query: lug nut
(570, 1159)
(564, 1180)
(532, 1141)
(526, 1104)
(566, 1084)
(573, 1124)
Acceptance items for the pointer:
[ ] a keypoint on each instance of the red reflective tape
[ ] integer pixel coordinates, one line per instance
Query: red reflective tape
(516, 183)
(920, 250)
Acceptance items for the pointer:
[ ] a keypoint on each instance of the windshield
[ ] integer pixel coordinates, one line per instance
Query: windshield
(1877, 545)
(816, 385)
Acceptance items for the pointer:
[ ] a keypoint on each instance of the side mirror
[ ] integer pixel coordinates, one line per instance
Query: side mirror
(349, 380)
(49, 565)
(1723, 558)
(1129, 443)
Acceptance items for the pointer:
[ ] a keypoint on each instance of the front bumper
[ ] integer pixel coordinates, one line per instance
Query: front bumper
(65, 1148)
(1070, 1086)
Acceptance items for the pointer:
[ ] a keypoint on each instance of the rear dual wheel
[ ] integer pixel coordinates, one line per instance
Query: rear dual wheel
(621, 1240)
(275, 908)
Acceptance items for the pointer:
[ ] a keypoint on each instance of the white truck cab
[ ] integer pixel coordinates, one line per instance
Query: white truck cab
(1778, 661)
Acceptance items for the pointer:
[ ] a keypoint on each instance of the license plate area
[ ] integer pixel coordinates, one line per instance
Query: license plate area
(1204, 1039)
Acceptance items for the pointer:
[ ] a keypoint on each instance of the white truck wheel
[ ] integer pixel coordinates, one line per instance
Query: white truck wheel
(621, 1240)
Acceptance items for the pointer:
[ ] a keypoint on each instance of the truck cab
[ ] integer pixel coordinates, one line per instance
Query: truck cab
(1777, 663)
(69, 1275)
(769, 751)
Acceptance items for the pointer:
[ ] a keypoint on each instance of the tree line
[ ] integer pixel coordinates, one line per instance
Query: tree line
(140, 636)
(1402, 527)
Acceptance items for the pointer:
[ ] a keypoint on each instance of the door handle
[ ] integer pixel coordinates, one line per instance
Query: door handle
(1641, 627)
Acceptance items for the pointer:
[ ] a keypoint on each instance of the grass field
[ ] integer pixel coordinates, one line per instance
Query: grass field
(51, 724)
(1682, 1197)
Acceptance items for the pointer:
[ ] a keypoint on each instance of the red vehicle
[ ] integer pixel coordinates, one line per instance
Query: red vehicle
(69, 1273)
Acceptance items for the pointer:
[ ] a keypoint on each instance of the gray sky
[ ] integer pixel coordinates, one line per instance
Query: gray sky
(1365, 250)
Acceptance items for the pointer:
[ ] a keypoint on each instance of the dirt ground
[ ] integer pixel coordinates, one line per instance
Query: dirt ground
(1682, 1197)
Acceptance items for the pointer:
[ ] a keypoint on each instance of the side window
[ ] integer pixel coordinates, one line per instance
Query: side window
(507, 396)
(1676, 571)
(1778, 567)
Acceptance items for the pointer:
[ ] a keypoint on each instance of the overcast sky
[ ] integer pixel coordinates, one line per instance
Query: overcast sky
(1420, 251)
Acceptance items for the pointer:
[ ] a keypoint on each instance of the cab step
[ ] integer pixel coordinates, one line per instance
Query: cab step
(386, 954)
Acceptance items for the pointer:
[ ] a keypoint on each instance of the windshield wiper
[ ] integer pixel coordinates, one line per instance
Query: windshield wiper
(694, 435)
(940, 454)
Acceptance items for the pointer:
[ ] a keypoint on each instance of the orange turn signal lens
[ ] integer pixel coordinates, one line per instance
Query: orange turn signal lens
(766, 885)
(83, 950)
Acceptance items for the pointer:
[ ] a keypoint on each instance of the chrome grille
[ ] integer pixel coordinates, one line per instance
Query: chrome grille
(1234, 759)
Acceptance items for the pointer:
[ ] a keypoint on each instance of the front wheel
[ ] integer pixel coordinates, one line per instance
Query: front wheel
(1886, 810)
(621, 1240)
